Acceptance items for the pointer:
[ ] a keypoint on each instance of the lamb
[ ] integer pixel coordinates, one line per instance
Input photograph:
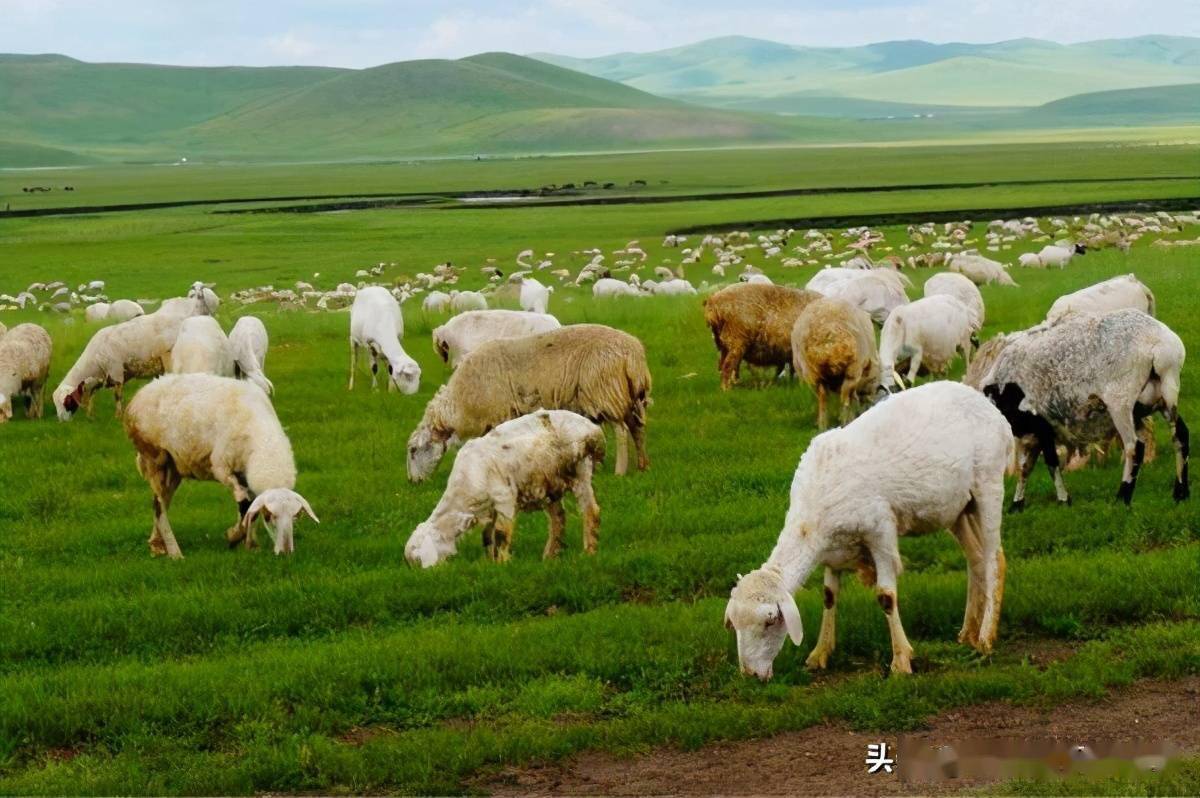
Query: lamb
(24, 366)
(202, 348)
(607, 286)
(535, 297)
(377, 326)
(232, 437)
(461, 301)
(754, 322)
(1118, 293)
(1082, 379)
(962, 289)
(248, 341)
(590, 369)
(124, 310)
(464, 333)
(833, 348)
(929, 458)
(527, 463)
(138, 348)
(929, 332)
(877, 291)
(980, 270)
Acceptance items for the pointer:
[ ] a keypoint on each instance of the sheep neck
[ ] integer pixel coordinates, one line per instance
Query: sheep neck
(794, 558)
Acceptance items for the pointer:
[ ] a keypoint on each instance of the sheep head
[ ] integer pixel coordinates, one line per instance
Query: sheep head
(426, 446)
(404, 375)
(67, 400)
(762, 613)
(278, 508)
(436, 540)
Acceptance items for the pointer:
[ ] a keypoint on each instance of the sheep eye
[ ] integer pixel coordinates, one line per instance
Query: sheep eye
(774, 619)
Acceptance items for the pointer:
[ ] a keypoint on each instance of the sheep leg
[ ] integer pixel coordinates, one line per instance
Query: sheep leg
(730, 367)
(821, 421)
(557, 519)
(1027, 456)
(489, 539)
(353, 363)
(849, 385)
(886, 568)
(503, 531)
(241, 530)
(986, 522)
(90, 406)
(622, 434)
(1182, 451)
(588, 507)
(374, 368)
(1134, 452)
(818, 658)
(119, 395)
(636, 424)
(914, 366)
(965, 532)
(164, 483)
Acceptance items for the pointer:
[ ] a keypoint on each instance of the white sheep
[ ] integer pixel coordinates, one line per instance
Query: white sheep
(1079, 381)
(202, 348)
(877, 291)
(607, 286)
(25, 352)
(377, 326)
(980, 270)
(673, 287)
(464, 333)
(204, 293)
(535, 297)
(138, 348)
(248, 341)
(436, 302)
(461, 301)
(124, 310)
(232, 436)
(1055, 255)
(528, 463)
(962, 289)
(96, 312)
(1119, 293)
(927, 459)
(929, 332)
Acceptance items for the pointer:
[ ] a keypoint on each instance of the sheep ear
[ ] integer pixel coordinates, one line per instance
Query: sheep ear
(308, 508)
(252, 511)
(791, 619)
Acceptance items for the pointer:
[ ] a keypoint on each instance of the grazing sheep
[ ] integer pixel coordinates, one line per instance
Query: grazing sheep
(204, 293)
(833, 348)
(464, 333)
(927, 459)
(377, 327)
(248, 341)
(124, 310)
(528, 463)
(673, 287)
(462, 301)
(1119, 293)
(1055, 255)
(232, 436)
(138, 348)
(754, 322)
(962, 289)
(436, 302)
(607, 286)
(24, 365)
(980, 270)
(591, 369)
(877, 291)
(929, 332)
(202, 348)
(1081, 379)
(96, 312)
(535, 297)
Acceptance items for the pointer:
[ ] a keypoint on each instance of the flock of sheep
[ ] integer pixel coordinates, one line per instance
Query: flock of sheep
(527, 396)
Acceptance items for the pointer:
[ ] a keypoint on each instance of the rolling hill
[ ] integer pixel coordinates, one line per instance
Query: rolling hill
(730, 71)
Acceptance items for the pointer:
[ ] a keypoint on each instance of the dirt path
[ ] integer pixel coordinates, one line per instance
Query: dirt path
(828, 759)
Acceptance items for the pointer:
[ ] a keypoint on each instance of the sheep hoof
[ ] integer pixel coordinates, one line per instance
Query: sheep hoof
(1017, 506)
(818, 660)
(1065, 502)
(1182, 492)
(234, 535)
(901, 663)
(157, 548)
(1125, 493)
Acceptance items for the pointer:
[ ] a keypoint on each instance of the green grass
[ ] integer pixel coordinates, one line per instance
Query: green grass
(340, 669)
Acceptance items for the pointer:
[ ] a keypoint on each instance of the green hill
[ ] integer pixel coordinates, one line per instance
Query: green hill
(1164, 104)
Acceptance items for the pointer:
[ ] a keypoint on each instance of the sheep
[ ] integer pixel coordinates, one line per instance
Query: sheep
(833, 348)
(138, 348)
(202, 348)
(1055, 255)
(590, 369)
(877, 291)
(461, 301)
(980, 270)
(673, 287)
(535, 297)
(929, 458)
(754, 323)
(248, 341)
(929, 332)
(527, 463)
(1080, 380)
(1118, 293)
(377, 327)
(962, 289)
(96, 312)
(3, 329)
(124, 310)
(204, 293)
(464, 333)
(24, 365)
(607, 286)
(436, 302)
(232, 436)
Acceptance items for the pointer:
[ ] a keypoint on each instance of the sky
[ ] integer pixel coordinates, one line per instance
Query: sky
(361, 33)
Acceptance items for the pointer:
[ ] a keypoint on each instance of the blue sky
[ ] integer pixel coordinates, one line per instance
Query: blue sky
(358, 33)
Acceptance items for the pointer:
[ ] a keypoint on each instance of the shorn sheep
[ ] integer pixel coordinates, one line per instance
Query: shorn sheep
(929, 332)
(249, 341)
(202, 348)
(754, 322)
(833, 349)
(877, 291)
(590, 369)
(24, 366)
(138, 348)
(376, 326)
(962, 289)
(980, 270)
(464, 333)
(528, 463)
(1080, 380)
(232, 436)
(1119, 293)
(927, 459)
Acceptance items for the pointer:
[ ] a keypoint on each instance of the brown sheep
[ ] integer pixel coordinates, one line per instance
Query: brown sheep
(596, 371)
(833, 348)
(753, 322)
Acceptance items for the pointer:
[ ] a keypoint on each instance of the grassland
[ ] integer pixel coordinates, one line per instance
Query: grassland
(341, 669)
